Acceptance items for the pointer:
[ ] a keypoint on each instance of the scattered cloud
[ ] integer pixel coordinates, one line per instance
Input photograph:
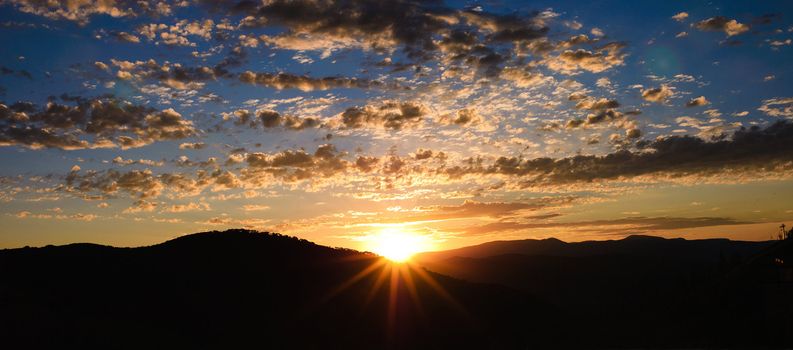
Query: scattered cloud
(697, 101)
(109, 122)
(778, 107)
(304, 83)
(659, 94)
(680, 17)
(390, 115)
(730, 27)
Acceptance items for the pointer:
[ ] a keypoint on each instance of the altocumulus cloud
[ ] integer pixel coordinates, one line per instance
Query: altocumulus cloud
(754, 149)
(107, 121)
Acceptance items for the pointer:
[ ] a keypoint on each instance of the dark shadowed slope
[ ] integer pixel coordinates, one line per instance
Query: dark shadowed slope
(238, 289)
(244, 289)
(649, 246)
(668, 292)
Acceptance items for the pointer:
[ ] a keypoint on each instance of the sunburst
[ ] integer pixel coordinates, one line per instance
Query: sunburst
(397, 244)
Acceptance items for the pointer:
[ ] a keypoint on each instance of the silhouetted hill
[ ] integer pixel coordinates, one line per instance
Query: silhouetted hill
(243, 289)
(756, 297)
(655, 291)
(649, 246)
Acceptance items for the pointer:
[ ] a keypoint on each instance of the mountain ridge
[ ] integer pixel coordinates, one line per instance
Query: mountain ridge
(241, 288)
(634, 244)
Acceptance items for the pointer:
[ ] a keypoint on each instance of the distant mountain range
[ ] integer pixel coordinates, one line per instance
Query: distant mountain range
(704, 250)
(645, 290)
(245, 289)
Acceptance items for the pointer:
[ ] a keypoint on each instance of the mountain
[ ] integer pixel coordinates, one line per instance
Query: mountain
(649, 246)
(245, 289)
(641, 289)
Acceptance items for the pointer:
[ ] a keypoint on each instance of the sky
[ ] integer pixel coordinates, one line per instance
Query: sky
(132, 122)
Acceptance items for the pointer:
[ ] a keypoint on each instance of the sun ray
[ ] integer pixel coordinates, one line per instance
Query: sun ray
(381, 278)
(411, 287)
(352, 280)
(441, 291)
(392, 302)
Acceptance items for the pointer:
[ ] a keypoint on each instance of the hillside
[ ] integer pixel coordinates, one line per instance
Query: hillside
(648, 246)
(247, 289)
(668, 290)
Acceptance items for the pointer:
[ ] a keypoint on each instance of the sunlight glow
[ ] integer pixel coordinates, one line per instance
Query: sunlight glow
(397, 244)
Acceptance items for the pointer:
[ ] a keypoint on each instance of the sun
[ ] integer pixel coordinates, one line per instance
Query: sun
(397, 244)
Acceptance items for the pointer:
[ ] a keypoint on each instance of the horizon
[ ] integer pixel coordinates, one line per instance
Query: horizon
(406, 258)
(394, 126)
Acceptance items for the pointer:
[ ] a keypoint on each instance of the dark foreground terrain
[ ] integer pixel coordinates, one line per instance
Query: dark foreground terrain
(646, 291)
(244, 289)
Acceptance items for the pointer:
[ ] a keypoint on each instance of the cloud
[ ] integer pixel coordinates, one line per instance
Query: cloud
(139, 183)
(778, 107)
(20, 73)
(81, 11)
(612, 226)
(141, 206)
(192, 206)
(295, 165)
(172, 75)
(282, 81)
(633, 133)
(177, 34)
(76, 10)
(305, 42)
(659, 94)
(422, 154)
(523, 78)
(462, 48)
(385, 26)
(389, 115)
(78, 216)
(600, 116)
(471, 208)
(255, 207)
(697, 101)
(225, 220)
(754, 149)
(509, 28)
(680, 17)
(379, 24)
(596, 61)
(245, 117)
(596, 104)
(145, 184)
(192, 145)
(126, 37)
(270, 119)
(90, 123)
(297, 123)
(729, 26)
(123, 162)
(466, 116)
(366, 164)
(603, 111)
